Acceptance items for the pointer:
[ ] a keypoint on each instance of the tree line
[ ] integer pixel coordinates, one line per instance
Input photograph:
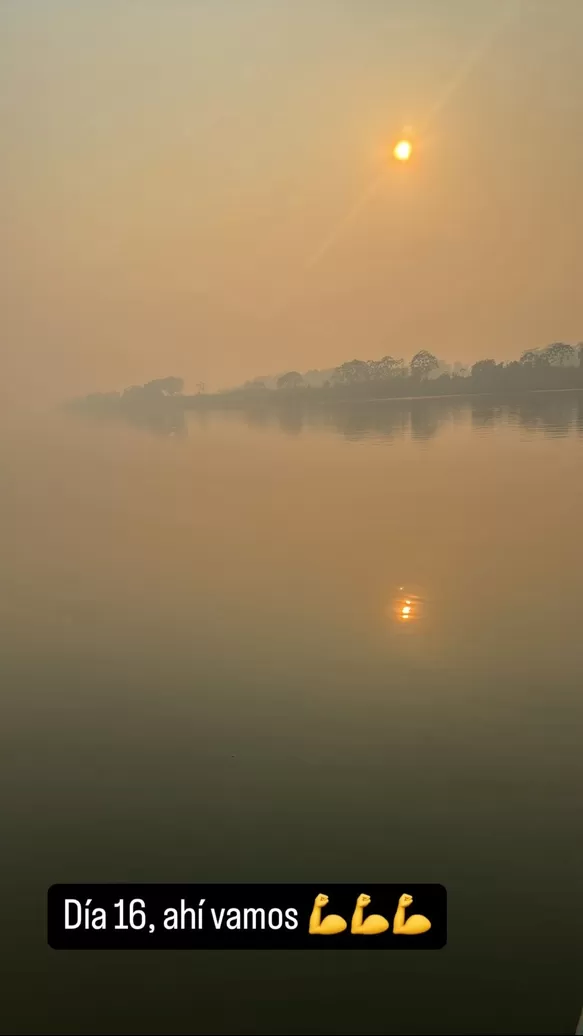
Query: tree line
(557, 366)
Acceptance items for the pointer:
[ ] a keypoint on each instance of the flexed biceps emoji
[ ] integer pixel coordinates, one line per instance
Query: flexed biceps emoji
(414, 925)
(332, 924)
(374, 924)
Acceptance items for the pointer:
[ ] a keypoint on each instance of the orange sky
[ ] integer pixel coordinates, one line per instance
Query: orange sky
(176, 180)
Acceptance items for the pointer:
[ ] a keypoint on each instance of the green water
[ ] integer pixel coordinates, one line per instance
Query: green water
(204, 678)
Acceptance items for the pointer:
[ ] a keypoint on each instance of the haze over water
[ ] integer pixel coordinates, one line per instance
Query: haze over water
(204, 678)
(206, 666)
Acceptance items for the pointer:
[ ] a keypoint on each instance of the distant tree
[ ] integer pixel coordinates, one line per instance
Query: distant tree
(532, 358)
(560, 355)
(486, 374)
(172, 386)
(460, 370)
(385, 368)
(166, 386)
(352, 372)
(422, 364)
(291, 380)
(484, 367)
(201, 387)
(133, 392)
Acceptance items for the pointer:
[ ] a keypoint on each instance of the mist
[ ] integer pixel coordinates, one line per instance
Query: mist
(171, 170)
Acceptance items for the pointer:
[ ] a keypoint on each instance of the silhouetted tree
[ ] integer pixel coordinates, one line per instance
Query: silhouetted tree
(167, 386)
(532, 358)
(388, 367)
(560, 354)
(133, 392)
(484, 367)
(352, 372)
(559, 366)
(422, 364)
(485, 374)
(291, 380)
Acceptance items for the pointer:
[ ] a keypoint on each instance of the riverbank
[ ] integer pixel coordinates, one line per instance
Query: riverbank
(275, 399)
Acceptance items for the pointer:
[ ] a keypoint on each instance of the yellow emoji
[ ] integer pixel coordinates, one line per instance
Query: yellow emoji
(374, 924)
(414, 925)
(330, 925)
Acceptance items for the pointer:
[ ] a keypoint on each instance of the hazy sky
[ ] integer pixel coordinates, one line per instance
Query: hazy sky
(177, 178)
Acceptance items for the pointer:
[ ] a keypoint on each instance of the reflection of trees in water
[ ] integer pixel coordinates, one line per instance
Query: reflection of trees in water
(427, 418)
(357, 422)
(258, 417)
(291, 420)
(390, 420)
(165, 419)
(162, 422)
(555, 415)
(394, 419)
(201, 417)
(485, 416)
(552, 414)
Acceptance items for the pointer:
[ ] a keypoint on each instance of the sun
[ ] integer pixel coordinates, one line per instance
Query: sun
(402, 150)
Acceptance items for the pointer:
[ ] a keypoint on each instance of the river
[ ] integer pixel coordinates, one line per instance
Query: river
(207, 675)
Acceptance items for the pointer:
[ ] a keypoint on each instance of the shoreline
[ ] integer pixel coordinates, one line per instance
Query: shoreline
(219, 401)
(456, 395)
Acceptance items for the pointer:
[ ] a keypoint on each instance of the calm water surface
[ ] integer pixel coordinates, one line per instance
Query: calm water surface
(205, 676)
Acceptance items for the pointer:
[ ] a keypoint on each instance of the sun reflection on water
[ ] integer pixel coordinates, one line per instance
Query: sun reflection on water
(406, 607)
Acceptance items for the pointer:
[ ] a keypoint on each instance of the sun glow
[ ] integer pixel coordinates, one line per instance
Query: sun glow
(402, 150)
